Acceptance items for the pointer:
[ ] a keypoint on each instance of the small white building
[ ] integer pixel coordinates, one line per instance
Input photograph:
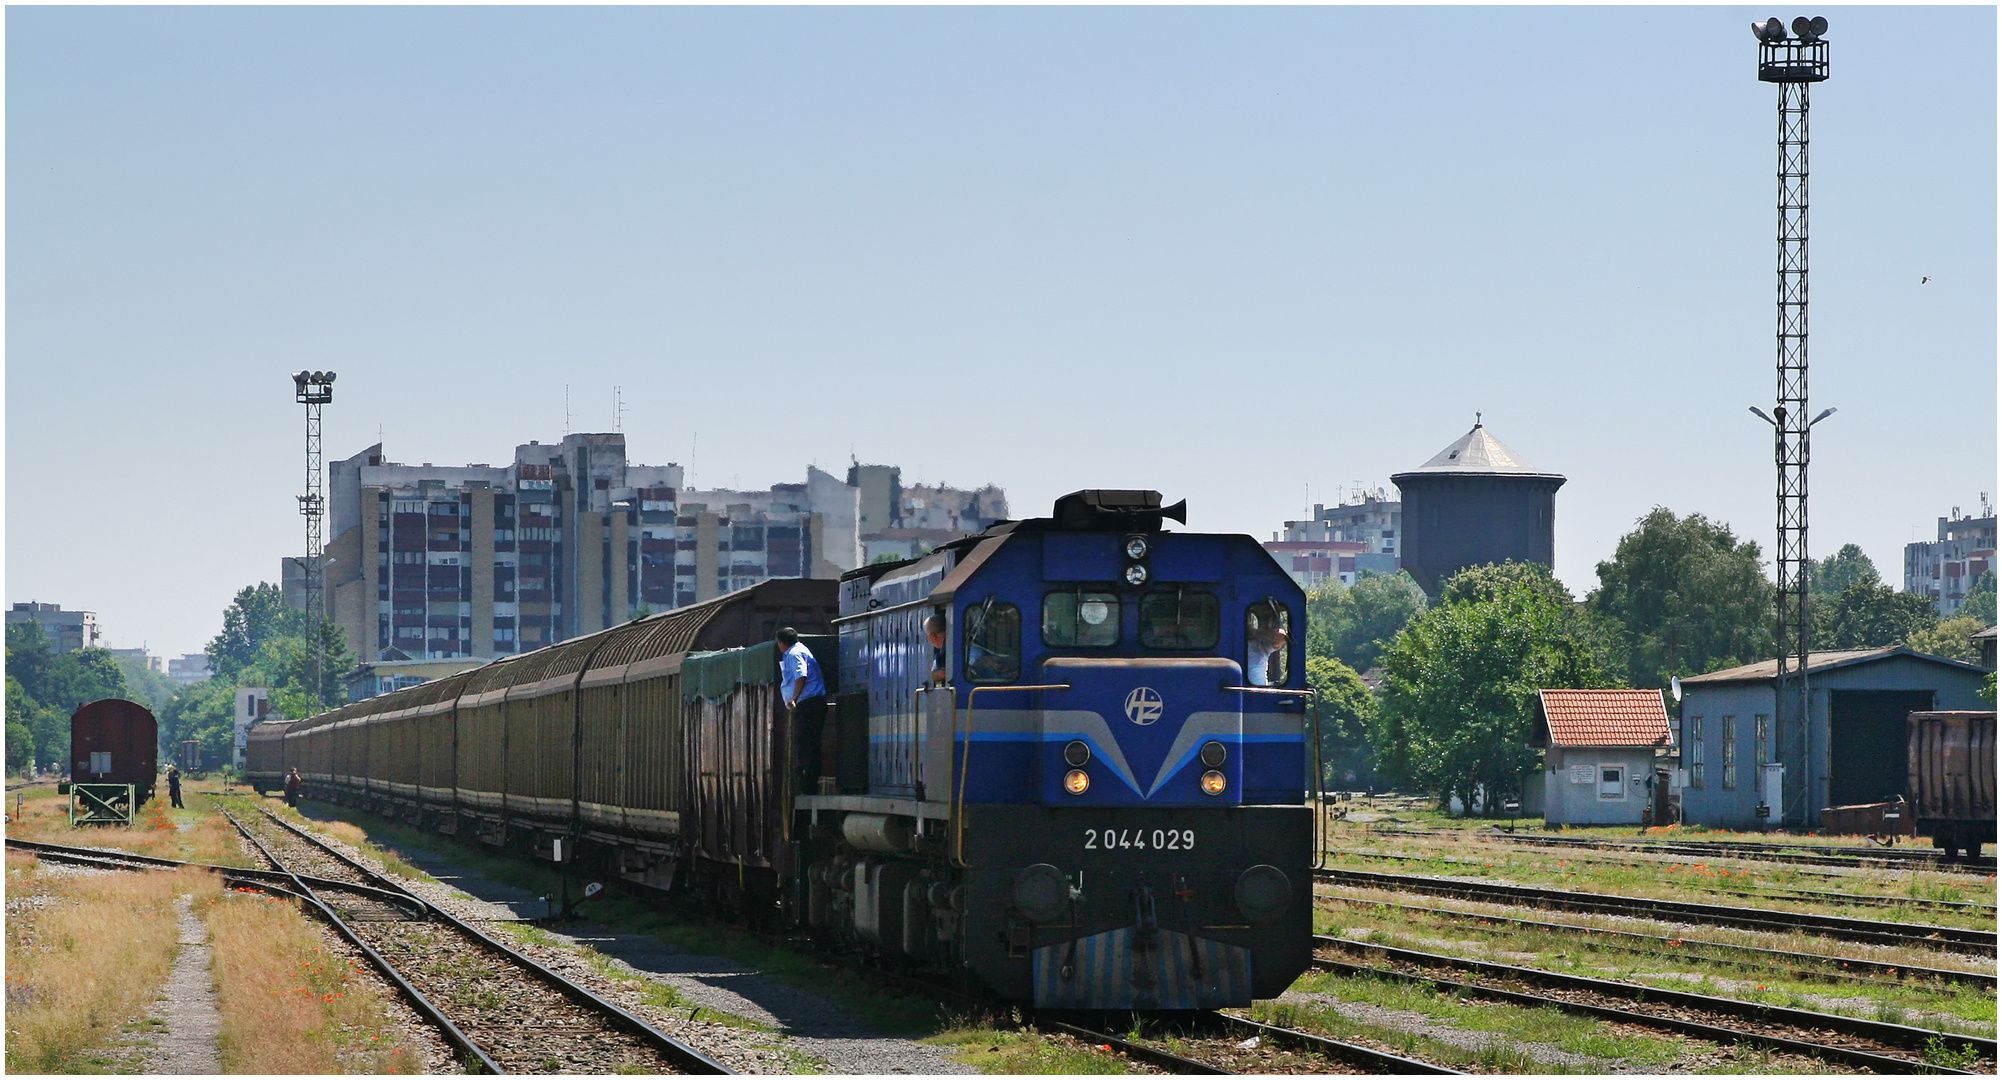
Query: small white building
(1598, 754)
(253, 703)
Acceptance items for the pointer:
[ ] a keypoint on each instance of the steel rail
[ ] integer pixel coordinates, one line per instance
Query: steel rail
(1900, 1035)
(693, 1060)
(1767, 956)
(1173, 1064)
(1350, 1053)
(1953, 939)
(1795, 854)
(416, 997)
(61, 852)
(1818, 895)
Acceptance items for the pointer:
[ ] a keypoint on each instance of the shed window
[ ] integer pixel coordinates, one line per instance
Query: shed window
(1762, 739)
(1613, 782)
(1728, 761)
(1695, 751)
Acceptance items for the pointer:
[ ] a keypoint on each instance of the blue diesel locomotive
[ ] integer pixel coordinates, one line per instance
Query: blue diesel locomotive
(1065, 757)
(1086, 758)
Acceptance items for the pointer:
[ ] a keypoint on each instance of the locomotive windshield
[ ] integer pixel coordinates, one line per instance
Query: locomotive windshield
(1080, 618)
(993, 642)
(1182, 619)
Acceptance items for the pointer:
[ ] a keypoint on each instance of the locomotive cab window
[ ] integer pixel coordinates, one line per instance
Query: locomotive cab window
(1267, 633)
(1080, 618)
(993, 642)
(1179, 620)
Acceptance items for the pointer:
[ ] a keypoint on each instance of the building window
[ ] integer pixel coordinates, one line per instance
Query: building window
(1695, 724)
(1762, 740)
(1613, 782)
(1728, 744)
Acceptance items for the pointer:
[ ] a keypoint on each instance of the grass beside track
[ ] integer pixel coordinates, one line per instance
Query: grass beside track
(290, 1003)
(86, 956)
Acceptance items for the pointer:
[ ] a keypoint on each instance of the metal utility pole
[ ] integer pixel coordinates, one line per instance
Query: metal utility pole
(1794, 63)
(314, 389)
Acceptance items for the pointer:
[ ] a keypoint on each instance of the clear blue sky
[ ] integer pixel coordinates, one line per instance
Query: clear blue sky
(1225, 253)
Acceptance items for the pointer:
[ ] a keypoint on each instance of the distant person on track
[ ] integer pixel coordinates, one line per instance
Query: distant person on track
(805, 696)
(292, 785)
(174, 786)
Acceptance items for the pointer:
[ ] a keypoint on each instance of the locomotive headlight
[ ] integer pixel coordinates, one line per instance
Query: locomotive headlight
(1213, 753)
(1213, 783)
(1136, 574)
(1076, 754)
(1077, 782)
(1136, 547)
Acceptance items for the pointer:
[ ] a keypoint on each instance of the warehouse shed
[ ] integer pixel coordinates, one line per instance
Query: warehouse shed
(1855, 745)
(1599, 754)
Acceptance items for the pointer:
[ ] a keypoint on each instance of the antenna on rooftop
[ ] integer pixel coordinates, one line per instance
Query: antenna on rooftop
(618, 408)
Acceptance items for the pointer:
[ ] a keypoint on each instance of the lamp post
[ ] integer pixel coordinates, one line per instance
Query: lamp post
(313, 389)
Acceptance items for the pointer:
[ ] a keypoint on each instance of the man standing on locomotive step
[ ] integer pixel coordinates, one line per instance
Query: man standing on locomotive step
(805, 696)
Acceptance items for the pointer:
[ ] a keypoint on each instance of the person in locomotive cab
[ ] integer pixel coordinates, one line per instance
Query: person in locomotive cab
(292, 785)
(1264, 644)
(805, 696)
(174, 786)
(935, 634)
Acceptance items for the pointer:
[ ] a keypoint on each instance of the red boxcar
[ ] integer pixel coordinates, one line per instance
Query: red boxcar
(114, 741)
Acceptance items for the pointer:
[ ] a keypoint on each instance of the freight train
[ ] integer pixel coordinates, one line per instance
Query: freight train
(1067, 757)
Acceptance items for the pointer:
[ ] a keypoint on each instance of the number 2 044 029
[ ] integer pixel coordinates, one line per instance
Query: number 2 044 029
(1139, 839)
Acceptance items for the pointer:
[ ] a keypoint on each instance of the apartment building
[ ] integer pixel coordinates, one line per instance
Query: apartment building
(435, 562)
(189, 668)
(1946, 568)
(67, 631)
(1358, 535)
(903, 522)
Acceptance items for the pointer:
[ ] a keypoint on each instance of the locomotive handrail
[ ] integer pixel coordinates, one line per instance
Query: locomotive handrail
(957, 805)
(1320, 811)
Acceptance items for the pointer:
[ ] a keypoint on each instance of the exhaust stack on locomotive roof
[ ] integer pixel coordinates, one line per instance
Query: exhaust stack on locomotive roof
(1110, 510)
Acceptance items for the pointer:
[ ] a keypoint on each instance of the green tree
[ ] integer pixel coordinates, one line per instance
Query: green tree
(1949, 638)
(258, 614)
(150, 688)
(81, 676)
(1871, 616)
(205, 712)
(43, 733)
(1459, 684)
(1353, 624)
(1345, 709)
(1495, 579)
(1833, 576)
(1684, 596)
(1980, 600)
(29, 657)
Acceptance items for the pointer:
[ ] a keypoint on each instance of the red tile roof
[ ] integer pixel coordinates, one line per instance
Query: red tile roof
(1603, 717)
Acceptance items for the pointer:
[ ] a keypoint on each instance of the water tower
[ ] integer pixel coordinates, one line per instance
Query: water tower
(1476, 502)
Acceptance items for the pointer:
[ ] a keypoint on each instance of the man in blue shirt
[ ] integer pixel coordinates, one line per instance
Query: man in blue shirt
(805, 696)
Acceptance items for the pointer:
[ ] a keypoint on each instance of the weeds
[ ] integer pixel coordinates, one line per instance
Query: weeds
(89, 959)
(291, 1004)
(1942, 1054)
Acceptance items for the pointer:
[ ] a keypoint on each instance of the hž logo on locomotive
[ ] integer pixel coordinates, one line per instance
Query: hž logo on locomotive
(1144, 705)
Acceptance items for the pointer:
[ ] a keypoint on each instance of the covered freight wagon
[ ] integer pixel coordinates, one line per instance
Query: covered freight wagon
(113, 742)
(1951, 760)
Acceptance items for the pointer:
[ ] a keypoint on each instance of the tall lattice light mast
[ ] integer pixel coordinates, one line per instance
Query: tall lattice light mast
(314, 389)
(1795, 63)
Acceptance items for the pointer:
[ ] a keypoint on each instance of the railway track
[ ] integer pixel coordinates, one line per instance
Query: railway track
(1851, 1041)
(1795, 854)
(1816, 895)
(1793, 963)
(1234, 1032)
(505, 1011)
(1945, 938)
